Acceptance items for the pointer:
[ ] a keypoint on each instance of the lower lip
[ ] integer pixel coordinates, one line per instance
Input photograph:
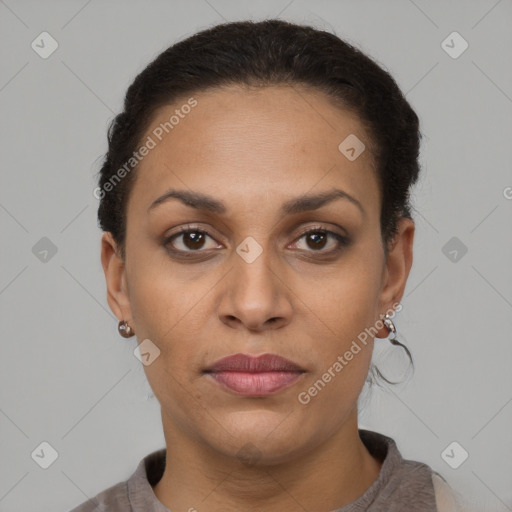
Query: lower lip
(255, 383)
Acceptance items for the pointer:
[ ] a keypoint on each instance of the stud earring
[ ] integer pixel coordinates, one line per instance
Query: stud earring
(125, 330)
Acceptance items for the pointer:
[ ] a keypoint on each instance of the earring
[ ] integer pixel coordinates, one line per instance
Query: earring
(392, 338)
(391, 327)
(125, 330)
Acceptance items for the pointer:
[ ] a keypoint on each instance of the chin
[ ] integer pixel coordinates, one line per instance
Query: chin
(260, 440)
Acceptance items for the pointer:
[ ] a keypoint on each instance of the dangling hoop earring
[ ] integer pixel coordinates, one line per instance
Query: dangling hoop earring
(392, 335)
(125, 330)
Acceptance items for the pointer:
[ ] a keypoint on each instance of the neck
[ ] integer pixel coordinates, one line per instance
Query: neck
(323, 479)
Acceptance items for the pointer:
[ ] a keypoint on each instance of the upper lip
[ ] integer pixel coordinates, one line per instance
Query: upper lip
(253, 364)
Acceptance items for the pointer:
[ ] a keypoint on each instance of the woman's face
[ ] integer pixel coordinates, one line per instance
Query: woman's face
(253, 283)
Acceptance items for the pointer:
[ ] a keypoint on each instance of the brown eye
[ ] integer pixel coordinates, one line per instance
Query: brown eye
(317, 239)
(189, 240)
(193, 239)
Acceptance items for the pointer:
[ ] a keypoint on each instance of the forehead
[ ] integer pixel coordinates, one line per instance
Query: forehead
(236, 142)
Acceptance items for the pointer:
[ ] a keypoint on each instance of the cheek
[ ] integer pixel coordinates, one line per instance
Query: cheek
(342, 349)
(161, 294)
(163, 312)
(169, 314)
(171, 308)
(344, 301)
(339, 317)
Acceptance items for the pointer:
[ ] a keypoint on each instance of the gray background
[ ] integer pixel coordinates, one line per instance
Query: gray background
(67, 378)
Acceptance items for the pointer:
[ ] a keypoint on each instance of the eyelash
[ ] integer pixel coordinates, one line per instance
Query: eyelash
(342, 240)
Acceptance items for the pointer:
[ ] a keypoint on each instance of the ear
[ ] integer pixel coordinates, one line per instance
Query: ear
(396, 268)
(115, 277)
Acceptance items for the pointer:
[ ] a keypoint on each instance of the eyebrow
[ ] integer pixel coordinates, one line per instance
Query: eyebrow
(298, 204)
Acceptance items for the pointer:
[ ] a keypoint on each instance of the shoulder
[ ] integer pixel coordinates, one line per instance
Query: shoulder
(113, 499)
(447, 499)
(135, 491)
(410, 483)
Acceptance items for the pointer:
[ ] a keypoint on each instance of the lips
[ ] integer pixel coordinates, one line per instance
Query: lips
(253, 364)
(254, 376)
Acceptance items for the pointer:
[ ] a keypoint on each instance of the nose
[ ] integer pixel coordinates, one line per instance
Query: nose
(255, 296)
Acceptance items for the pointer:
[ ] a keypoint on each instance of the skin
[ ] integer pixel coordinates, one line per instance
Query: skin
(253, 150)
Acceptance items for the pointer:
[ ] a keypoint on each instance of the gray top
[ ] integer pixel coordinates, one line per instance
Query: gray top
(402, 485)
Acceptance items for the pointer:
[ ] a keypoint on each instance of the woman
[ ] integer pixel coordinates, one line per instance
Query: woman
(257, 237)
